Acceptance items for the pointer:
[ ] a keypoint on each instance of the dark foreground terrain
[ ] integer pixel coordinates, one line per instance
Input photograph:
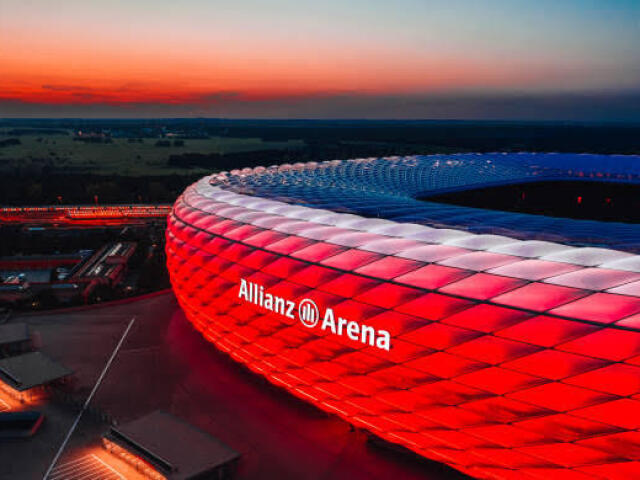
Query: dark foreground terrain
(119, 161)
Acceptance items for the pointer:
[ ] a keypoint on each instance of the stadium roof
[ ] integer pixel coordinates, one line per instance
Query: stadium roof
(361, 187)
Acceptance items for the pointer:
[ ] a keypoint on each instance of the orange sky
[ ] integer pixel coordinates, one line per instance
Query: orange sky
(206, 52)
(34, 71)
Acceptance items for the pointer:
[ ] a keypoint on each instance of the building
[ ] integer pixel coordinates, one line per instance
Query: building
(106, 267)
(30, 376)
(67, 278)
(23, 277)
(504, 344)
(164, 447)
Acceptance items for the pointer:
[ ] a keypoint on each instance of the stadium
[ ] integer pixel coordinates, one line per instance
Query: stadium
(502, 342)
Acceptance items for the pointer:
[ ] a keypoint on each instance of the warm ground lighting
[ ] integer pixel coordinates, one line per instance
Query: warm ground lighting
(96, 462)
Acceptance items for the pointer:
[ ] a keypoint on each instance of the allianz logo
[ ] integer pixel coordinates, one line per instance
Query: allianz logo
(310, 316)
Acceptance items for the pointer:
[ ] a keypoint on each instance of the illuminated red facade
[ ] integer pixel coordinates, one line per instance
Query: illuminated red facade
(521, 361)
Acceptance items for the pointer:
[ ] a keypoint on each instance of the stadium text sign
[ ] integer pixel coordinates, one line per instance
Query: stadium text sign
(309, 315)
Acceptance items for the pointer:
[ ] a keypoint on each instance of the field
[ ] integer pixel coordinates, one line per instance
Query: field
(121, 156)
(153, 160)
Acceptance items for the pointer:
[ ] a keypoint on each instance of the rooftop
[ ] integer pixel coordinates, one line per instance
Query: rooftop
(30, 370)
(401, 189)
(177, 449)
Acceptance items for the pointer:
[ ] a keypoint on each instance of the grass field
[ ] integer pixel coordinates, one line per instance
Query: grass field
(120, 157)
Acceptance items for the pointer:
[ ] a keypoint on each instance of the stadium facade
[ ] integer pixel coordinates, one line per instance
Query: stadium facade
(465, 335)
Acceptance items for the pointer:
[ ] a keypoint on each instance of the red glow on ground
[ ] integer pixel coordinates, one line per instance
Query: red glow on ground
(95, 461)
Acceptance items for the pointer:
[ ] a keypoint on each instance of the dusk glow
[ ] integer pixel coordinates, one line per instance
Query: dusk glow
(320, 239)
(410, 58)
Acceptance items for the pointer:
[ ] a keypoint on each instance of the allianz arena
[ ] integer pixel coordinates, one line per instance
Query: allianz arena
(504, 344)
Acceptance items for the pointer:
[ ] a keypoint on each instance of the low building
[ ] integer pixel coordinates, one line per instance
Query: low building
(63, 279)
(107, 265)
(162, 446)
(30, 376)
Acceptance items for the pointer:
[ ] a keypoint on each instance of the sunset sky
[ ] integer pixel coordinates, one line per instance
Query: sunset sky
(543, 59)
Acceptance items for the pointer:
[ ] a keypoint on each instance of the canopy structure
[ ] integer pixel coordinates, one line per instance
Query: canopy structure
(174, 448)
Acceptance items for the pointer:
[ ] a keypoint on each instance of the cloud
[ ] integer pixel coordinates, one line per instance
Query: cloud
(214, 98)
(66, 88)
